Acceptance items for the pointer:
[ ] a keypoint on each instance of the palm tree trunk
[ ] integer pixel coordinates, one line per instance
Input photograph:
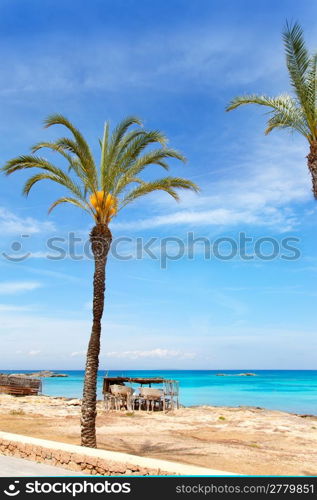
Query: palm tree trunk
(100, 238)
(312, 165)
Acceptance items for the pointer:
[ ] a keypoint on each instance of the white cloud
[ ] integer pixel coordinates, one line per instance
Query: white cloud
(77, 353)
(219, 216)
(213, 346)
(152, 353)
(13, 287)
(34, 353)
(13, 224)
(172, 62)
(52, 274)
(13, 308)
(266, 182)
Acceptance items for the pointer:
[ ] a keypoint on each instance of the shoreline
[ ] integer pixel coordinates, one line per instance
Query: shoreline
(293, 391)
(252, 407)
(244, 440)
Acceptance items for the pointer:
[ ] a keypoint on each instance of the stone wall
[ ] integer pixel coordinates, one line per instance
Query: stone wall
(94, 461)
(74, 461)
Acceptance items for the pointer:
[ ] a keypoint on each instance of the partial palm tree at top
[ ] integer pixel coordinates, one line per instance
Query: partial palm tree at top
(101, 190)
(297, 112)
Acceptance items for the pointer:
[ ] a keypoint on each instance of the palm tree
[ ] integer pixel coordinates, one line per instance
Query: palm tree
(297, 112)
(101, 191)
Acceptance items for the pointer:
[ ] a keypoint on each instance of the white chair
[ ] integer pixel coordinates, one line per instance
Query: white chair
(151, 396)
(122, 396)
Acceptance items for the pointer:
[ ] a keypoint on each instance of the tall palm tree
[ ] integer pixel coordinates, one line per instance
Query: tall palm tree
(101, 191)
(297, 112)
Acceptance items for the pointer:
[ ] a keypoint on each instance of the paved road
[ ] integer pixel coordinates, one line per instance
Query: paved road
(18, 467)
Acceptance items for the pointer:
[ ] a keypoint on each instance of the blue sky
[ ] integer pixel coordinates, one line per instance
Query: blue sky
(176, 64)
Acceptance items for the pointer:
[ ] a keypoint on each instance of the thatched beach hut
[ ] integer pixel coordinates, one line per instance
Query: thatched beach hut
(19, 385)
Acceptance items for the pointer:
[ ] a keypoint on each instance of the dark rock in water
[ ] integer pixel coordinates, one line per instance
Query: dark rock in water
(47, 373)
(235, 374)
(41, 374)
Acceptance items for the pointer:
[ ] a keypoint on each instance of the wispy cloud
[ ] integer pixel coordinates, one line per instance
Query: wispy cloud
(153, 353)
(272, 177)
(156, 353)
(174, 61)
(14, 308)
(34, 352)
(75, 354)
(238, 307)
(14, 287)
(11, 223)
(52, 274)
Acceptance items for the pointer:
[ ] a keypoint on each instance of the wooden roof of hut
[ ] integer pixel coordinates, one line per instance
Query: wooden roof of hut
(107, 381)
(19, 385)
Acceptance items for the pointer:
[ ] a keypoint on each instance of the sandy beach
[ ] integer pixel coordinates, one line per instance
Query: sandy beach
(244, 440)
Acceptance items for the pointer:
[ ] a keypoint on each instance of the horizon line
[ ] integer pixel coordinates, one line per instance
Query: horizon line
(161, 369)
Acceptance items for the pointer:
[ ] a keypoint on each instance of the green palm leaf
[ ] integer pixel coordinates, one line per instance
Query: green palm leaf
(72, 201)
(298, 61)
(80, 147)
(124, 157)
(167, 184)
(299, 112)
(296, 113)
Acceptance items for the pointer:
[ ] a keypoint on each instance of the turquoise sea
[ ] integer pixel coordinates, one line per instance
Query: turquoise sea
(288, 390)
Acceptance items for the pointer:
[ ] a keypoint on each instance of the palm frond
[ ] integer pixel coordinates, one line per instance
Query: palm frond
(74, 162)
(284, 109)
(114, 149)
(105, 163)
(31, 161)
(134, 134)
(298, 62)
(138, 145)
(52, 146)
(167, 184)
(297, 113)
(72, 201)
(104, 151)
(119, 163)
(297, 58)
(311, 83)
(123, 159)
(65, 182)
(293, 120)
(118, 134)
(83, 150)
(278, 103)
(122, 128)
(155, 157)
(87, 175)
